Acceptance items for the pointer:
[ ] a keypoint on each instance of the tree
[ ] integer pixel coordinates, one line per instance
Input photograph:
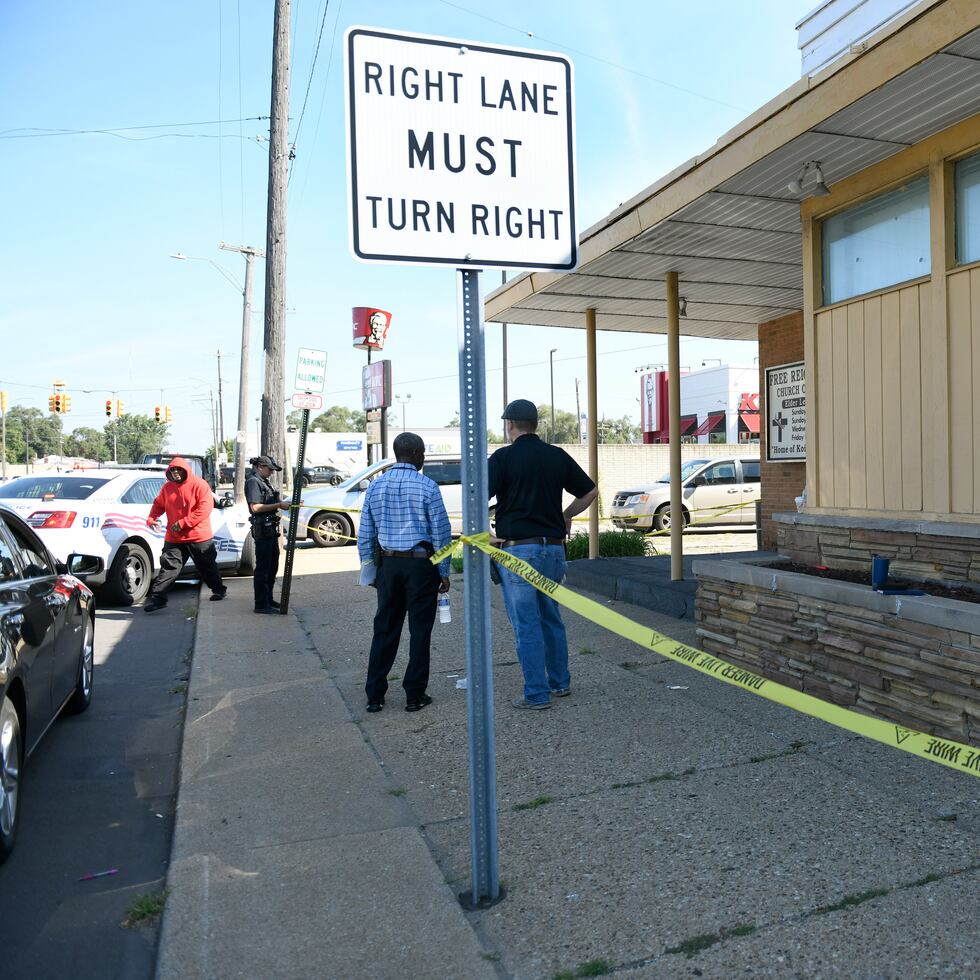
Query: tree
(621, 430)
(31, 425)
(135, 435)
(566, 425)
(88, 444)
(493, 439)
(453, 423)
(337, 418)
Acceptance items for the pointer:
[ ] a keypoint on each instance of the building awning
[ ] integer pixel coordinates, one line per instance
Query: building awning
(727, 222)
(710, 423)
(750, 420)
(687, 423)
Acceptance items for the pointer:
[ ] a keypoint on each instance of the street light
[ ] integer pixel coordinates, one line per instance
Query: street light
(403, 400)
(551, 365)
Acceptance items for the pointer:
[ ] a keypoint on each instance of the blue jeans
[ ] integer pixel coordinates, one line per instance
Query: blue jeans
(542, 648)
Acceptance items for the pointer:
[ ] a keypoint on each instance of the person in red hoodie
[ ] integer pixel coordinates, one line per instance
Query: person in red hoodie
(187, 501)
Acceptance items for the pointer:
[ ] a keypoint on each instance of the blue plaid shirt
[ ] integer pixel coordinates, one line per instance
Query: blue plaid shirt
(401, 508)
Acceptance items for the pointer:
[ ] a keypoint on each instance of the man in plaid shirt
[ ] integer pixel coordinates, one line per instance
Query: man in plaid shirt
(403, 523)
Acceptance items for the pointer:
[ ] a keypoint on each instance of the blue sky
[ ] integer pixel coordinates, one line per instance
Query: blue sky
(89, 293)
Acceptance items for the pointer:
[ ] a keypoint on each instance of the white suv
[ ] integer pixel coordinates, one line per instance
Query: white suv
(714, 491)
(330, 516)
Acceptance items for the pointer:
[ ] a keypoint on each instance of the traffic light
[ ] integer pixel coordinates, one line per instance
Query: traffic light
(156, 412)
(66, 404)
(169, 414)
(3, 402)
(108, 407)
(119, 408)
(53, 404)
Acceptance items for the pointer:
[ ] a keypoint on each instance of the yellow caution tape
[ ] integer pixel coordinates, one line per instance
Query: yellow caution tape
(955, 755)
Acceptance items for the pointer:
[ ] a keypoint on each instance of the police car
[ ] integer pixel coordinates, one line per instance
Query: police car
(103, 512)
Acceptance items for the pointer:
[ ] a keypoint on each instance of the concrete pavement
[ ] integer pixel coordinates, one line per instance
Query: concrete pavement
(654, 824)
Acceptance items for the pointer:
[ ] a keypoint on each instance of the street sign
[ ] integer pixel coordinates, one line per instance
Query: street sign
(350, 445)
(311, 370)
(305, 400)
(376, 385)
(459, 154)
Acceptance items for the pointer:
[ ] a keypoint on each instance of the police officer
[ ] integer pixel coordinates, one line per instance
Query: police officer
(264, 504)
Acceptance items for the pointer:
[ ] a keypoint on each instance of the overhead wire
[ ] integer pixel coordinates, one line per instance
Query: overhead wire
(221, 188)
(309, 80)
(241, 135)
(35, 132)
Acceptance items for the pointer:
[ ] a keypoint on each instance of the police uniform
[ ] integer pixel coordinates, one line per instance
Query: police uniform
(528, 478)
(265, 533)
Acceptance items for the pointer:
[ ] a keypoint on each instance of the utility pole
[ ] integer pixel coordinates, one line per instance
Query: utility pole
(221, 409)
(503, 279)
(242, 434)
(273, 417)
(578, 412)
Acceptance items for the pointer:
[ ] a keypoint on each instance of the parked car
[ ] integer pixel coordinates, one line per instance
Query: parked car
(47, 643)
(715, 491)
(334, 475)
(330, 516)
(103, 511)
(226, 474)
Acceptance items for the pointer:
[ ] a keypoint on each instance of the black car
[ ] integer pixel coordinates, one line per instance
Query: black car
(322, 474)
(47, 643)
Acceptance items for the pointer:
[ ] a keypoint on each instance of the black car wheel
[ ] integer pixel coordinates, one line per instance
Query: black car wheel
(330, 530)
(661, 520)
(11, 760)
(246, 566)
(81, 697)
(129, 577)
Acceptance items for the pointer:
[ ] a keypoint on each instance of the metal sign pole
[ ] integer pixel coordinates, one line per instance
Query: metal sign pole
(287, 575)
(476, 592)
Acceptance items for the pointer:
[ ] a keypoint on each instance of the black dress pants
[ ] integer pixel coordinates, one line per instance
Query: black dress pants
(202, 553)
(405, 585)
(266, 570)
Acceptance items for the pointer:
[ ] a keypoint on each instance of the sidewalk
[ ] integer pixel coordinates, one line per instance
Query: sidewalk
(656, 820)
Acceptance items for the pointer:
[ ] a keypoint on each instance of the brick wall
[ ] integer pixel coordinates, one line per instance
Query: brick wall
(914, 662)
(624, 467)
(780, 342)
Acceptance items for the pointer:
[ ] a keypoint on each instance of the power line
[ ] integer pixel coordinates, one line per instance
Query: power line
(221, 187)
(309, 81)
(241, 135)
(34, 132)
(593, 57)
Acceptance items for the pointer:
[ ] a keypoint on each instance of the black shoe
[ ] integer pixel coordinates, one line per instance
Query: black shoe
(375, 706)
(267, 611)
(274, 603)
(218, 596)
(419, 703)
(152, 605)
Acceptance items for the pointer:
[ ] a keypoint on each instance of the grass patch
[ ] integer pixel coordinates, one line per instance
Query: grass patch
(179, 689)
(794, 747)
(594, 968)
(395, 677)
(928, 880)
(626, 785)
(631, 664)
(612, 544)
(145, 910)
(490, 957)
(587, 651)
(398, 791)
(694, 945)
(533, 804)
(947, 817)
(851, 901)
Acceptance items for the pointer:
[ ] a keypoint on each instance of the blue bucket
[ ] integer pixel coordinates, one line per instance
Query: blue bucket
(879, 572)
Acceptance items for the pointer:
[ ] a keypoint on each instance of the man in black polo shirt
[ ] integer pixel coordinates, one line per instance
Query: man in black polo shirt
(527, 478)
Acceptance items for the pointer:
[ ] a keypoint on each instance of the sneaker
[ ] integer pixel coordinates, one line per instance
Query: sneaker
(531, 705)
(419, 703)
(562, 692)
(274, 603)
(218, 596)
(375, 706)
(267, 611)
(152, 605)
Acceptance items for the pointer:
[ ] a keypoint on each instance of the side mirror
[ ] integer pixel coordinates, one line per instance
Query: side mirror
(698, 481)
(82, 566)
(364, 484)
(226, 500)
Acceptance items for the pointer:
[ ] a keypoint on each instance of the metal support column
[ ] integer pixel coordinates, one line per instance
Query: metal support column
(674, 416)
(476, 596)
(590, 370)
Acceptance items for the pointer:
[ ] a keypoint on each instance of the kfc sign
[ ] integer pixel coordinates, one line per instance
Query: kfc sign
(370, 327)
(376, 385)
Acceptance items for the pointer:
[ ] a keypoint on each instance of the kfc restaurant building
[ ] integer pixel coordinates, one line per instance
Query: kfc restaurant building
(839, 225)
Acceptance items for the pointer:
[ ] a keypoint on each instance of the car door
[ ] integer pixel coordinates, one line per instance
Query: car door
(715, 496)
(28, 618)
(751, 489)
(127, 518)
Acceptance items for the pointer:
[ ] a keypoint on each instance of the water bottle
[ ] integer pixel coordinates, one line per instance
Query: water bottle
(445, 612)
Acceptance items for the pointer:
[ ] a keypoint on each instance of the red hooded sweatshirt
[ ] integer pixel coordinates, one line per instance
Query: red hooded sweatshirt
(186, 501)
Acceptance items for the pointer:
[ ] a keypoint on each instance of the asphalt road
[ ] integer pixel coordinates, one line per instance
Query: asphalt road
(99, 793)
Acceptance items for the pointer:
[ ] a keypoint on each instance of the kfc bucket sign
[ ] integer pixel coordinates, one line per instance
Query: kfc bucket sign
(370, 327)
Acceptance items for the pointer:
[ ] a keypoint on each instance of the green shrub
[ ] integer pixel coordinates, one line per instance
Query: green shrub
(612, 544)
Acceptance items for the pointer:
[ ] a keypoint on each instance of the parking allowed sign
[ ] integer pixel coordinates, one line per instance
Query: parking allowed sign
(459, 153)
(311, 370)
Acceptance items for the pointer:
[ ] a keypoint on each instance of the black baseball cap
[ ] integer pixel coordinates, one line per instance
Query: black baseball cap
(265, 461)
(521, 410)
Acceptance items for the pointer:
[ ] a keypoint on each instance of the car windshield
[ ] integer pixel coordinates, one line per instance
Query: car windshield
(194, 464)
(375, 469)
(686, 470)
(51, 487)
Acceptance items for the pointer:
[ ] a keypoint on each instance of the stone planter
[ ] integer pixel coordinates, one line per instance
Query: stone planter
(912, 660)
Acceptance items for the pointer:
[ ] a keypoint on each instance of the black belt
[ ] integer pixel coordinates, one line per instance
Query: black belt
(415, 553)
(516, 541)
